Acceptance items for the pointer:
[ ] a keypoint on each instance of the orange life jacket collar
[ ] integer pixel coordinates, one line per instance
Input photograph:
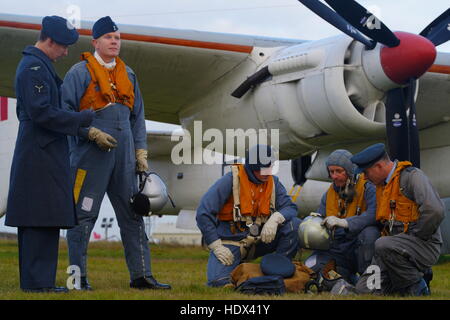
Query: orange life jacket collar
(392, 204)
(335, 204)
(254, 198)
(106, 86)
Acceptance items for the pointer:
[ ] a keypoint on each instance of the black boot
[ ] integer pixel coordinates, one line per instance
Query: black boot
(428, 276)
(148, 283)
(84, 284)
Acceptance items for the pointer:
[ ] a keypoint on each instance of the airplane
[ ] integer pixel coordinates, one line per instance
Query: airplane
(346, 91)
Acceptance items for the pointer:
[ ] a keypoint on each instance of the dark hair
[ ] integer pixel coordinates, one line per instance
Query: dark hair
(42, 36)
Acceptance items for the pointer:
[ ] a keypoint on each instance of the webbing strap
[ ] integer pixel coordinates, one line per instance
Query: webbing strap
(247, 246)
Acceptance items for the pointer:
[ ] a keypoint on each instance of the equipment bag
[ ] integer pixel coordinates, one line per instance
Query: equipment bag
(270, 285)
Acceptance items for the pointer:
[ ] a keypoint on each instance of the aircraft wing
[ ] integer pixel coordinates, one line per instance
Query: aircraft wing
(173, 66)
(433, 106)
(161, 142)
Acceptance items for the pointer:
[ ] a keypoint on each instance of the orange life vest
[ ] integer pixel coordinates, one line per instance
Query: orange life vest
(107, 86)
(336, 205)
(392, 205)
(254, 198)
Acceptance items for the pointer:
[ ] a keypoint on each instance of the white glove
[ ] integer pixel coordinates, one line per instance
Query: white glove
(333, 221)
(223, 254)
(269, 231)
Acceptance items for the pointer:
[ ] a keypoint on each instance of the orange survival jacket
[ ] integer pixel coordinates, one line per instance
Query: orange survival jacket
(336, 205)
(107, 86)
(254, 198)
(392, 204)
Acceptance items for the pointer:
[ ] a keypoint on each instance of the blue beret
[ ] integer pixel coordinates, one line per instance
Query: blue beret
(275, 264)
(369, 156)
(59, 30)
(103, 26)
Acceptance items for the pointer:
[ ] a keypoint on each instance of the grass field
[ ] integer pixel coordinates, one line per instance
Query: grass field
(182, 267)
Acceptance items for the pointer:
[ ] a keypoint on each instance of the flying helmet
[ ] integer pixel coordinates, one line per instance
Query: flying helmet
(152, 195)
(313, 235)
(156, 191)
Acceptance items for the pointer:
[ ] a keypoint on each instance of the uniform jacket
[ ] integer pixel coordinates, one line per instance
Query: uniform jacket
(40, 193)
(215, 198)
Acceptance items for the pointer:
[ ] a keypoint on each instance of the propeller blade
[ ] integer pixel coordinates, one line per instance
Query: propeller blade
(364, 21)
(337, 21)
(397, 125)
(257, 78)
(414, 146)
(438, 31)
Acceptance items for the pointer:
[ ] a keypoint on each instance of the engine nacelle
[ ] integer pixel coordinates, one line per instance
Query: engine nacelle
(319, 93)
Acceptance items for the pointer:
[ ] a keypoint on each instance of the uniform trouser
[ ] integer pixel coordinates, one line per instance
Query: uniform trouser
(114, 173)
(352, 255)
(285, 243)
(402, 260)
(38, 256)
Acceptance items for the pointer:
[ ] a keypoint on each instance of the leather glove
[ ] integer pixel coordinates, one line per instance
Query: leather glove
(223, 254)
(141, 160)
(332, 221)
(269, 230)
(102, 139)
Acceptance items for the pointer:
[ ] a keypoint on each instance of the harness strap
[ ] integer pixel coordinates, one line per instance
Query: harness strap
(236, 191)
(247, 246)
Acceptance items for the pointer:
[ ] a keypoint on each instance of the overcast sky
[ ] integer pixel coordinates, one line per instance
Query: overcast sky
(275, 18)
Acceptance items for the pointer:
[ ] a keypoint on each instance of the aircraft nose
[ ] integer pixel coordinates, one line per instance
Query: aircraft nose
(411, 59)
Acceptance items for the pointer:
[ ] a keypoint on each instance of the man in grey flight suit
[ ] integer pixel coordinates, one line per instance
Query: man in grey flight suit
(407, 250)
(112, 170)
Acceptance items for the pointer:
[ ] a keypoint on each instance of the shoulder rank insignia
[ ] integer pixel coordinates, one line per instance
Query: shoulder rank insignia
(36, 68)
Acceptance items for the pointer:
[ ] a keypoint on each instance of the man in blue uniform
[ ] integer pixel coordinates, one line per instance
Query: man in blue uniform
(104, 83)
(349, 209)
(40, 199)
(246, 214)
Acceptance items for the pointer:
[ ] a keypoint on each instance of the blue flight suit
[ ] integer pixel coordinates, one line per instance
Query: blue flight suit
(40, 199)
(351, 248)
(285, 242)
(113, 172)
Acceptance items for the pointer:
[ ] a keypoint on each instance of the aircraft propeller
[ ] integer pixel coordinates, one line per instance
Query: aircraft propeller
(404, 58)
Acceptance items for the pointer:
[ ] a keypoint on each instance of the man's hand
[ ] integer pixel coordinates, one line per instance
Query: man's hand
(269, 230)
(332, 221)
(223, 254)
(102, 139)
(141, 160)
